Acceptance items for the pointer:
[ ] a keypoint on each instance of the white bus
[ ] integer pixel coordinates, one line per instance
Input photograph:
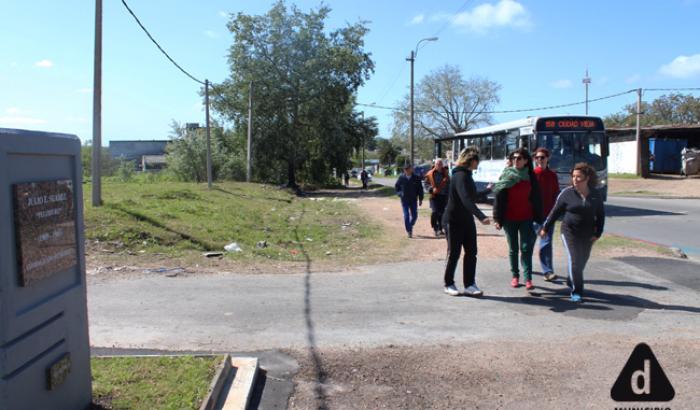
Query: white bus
(569, 139)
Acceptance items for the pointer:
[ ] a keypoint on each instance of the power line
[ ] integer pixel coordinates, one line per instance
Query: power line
(444, 26)
(673, 89)
(551, 107)
(158, 45)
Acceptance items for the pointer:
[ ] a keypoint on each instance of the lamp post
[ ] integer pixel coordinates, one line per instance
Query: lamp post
(586, 80)
(412, 58)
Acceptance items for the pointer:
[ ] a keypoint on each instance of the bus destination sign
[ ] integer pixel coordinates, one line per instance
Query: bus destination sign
(570, 124)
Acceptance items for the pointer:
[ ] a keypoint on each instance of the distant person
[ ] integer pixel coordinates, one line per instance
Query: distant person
(364, 177)
(461, 230)
(409, 188)
(437, 183)
(549, 190)
(346, 179)
(518, 204)
(584, 219)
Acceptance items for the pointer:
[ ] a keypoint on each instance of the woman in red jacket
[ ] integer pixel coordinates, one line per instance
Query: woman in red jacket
(549, 190)
(518, 204)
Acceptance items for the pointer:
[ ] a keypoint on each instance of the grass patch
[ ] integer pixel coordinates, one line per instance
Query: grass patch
(151, 383)
(623, 176)
(179, 219)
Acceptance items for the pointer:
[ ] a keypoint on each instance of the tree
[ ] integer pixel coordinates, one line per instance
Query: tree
(387, 151)
(666, 110)
(108, 164)
(444, 104)
(304, 81)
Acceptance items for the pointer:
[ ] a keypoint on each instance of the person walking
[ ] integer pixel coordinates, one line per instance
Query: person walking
(584, 219)
(461, 229)
(346, 179)
(436, 182)
(549, 190)
(364, 177)
(517, 205)
(409, 188)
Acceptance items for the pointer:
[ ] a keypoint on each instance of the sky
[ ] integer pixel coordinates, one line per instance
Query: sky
(537, 50)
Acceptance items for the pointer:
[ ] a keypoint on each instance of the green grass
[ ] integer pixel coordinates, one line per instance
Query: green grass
(623, 176)
(180, 219)
(152, 383)
(608, 242)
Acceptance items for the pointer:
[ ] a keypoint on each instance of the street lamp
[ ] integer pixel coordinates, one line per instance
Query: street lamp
(586, 80)
(412, 58)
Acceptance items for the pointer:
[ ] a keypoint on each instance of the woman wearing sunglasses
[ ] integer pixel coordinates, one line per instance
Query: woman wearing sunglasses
(584, 218)
(518, 204)
(549, 190)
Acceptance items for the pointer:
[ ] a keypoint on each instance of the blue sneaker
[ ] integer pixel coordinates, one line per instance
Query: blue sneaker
(576, 298)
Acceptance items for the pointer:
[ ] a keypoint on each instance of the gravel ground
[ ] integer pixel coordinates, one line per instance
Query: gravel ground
(566, 372)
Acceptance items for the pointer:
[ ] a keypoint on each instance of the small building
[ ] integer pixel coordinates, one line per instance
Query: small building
(136, 150)
(660, 148)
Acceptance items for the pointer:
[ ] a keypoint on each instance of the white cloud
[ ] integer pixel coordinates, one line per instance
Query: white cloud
(44, 64)
(223, 14)
(210, 34)
(505, 13)
(561, 84)
(13, 110)
(14, 121)
(417, 19)
(682, 67)
(76, 120)
(86, 90)
(634, 78)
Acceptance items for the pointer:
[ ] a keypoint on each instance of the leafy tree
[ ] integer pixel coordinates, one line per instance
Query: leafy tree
(668, 109)
(387, 151)
(108, 164)
(304, 79)
(445, 103)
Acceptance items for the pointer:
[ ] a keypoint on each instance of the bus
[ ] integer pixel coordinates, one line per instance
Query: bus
(569, 139)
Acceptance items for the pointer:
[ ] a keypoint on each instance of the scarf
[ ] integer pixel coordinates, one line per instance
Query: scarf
(510, 177)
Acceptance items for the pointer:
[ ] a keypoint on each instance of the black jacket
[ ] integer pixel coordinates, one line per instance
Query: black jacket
(501, 202)
(409, 189)
(581, 217)
(462, 196)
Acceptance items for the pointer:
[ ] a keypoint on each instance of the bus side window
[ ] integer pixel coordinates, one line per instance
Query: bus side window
(499, 146)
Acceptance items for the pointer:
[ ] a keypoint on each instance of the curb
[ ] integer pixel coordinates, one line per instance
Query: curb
(223, 371)
(241, 390)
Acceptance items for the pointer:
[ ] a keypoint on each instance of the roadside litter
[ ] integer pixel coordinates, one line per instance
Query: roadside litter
(233, 247)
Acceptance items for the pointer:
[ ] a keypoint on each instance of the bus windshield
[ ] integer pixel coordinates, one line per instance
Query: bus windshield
(568, 148)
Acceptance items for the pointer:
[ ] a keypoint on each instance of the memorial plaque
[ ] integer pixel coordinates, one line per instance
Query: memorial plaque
(57, 373)
(44, 215)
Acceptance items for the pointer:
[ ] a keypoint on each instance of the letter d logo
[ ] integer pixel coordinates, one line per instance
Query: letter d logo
(642, 378)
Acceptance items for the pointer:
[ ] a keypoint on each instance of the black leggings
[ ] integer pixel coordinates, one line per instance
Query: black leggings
(461, 236)
(578, 249)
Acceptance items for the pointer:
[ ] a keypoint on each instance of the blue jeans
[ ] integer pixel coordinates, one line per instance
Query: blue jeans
(410, 214)
(546, 260)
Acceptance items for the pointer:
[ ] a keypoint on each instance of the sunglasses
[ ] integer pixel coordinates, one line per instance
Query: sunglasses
(517, 157)
(540, 157)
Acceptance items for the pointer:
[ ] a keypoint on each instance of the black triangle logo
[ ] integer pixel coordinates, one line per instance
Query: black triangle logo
(642, 378)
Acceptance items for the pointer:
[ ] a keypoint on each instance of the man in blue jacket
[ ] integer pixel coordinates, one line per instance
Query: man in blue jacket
(410, 189)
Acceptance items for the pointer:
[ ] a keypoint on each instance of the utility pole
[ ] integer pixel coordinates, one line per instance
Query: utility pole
(363, 140)
(412, 59)
(586, 81)
(206, 102)
(249, 169)
(97, 110)
(639, 132)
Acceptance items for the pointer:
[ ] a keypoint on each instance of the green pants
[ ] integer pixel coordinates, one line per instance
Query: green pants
(521, 237)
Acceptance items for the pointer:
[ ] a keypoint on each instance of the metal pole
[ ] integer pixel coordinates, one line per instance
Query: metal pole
(206, 101)
(97, 110)
(586, 81)
(363, 139)
(410, 133)
(249, 169)
(639, 132)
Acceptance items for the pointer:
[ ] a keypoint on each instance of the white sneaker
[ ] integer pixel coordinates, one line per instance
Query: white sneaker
(473, 290)
(452, 290)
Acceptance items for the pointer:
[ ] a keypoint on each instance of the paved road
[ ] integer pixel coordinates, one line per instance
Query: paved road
(670, 222)
(395, 303)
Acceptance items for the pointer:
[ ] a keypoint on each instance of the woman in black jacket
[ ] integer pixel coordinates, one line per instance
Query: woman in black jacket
(459, 219)
(584, 218)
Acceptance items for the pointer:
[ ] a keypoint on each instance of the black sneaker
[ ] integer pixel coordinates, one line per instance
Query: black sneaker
(410, 235)
(549, 276)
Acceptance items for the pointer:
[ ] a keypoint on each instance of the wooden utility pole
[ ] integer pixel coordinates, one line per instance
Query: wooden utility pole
(206, 102)
(249, 168)
(639, 132)
(97, 110)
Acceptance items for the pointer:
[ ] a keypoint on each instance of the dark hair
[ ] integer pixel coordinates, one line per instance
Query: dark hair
(543, 150)
(587, 171)
(523, 152)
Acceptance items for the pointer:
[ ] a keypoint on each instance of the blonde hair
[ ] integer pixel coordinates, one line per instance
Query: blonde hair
(467, 155)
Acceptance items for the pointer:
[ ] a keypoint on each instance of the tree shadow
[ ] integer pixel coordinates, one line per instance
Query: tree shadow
(612, 211)
(202, 244)
(374, 191)
(289, 201)
(319, 372)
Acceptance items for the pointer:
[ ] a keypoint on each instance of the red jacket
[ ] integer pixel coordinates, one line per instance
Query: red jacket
(437, 188)
(519, 207)
(549, 188)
